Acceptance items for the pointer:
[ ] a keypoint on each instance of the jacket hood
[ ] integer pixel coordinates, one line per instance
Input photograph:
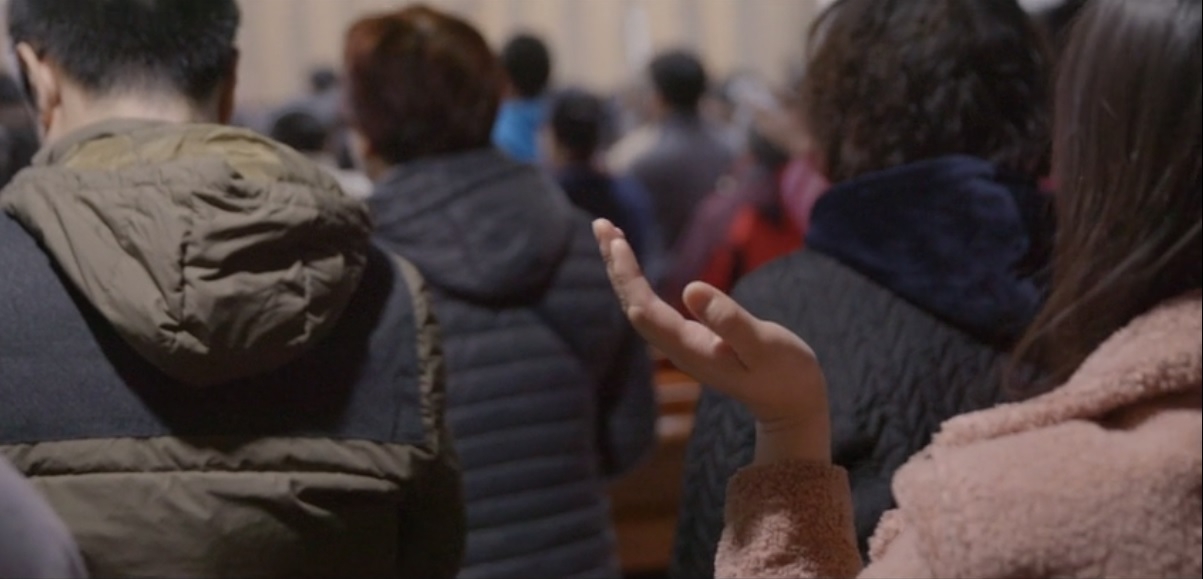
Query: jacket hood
(217, 254)
(478, 225)
(954, 235)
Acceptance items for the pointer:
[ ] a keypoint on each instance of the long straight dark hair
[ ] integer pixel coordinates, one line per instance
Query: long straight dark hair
(1127, 153)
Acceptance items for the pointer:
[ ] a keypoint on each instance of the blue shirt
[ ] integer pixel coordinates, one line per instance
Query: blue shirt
(517, 128)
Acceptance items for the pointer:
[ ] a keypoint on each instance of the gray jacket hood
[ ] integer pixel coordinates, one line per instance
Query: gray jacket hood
(478, 225)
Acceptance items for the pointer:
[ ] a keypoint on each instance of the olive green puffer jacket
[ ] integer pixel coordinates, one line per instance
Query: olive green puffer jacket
(208, 369)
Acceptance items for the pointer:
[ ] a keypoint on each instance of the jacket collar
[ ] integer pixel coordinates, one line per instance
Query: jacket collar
(478, 224)
(950, 235)
(62, 149)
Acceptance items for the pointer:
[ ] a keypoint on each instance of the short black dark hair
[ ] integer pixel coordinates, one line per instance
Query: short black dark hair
(680, 79)
(527, 63)
(765, 152)
(577, 120)
(106, 45)
(323, 79)
(301, 130)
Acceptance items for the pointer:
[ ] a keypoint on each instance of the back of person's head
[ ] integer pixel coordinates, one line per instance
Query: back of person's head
(301, 130)
(679, 79)
(577, 121)
(1129, 104)
(527, 63)
(177, 47)
(765, 152)
(322, 79)
(421, 82)
(891, 82)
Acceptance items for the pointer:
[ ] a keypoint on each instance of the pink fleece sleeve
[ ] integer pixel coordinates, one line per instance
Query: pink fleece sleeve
(792, 519)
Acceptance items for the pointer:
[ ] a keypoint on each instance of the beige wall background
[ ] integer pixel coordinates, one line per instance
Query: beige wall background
(599, 44)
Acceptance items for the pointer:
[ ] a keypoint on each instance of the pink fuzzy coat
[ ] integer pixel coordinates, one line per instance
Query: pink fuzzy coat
(1099, 478)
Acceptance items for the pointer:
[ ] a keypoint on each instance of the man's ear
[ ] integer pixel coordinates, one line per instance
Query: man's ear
(227, 90)
(44, 83)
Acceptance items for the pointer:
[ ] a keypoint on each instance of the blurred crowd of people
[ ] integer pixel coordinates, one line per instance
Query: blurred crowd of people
(675, 159)
(405, 324)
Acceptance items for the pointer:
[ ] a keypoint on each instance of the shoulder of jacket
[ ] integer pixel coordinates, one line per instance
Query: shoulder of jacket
(1113, 497)
(800, 278)
(432, 371)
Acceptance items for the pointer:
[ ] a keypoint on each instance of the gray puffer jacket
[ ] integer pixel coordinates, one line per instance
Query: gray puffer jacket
(549, 390)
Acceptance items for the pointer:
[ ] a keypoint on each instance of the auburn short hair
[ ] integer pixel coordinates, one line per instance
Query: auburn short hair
(421, 82)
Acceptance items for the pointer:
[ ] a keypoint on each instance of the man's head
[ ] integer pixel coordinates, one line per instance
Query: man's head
(680, 81)
(322, 80)
(167, 54)
(577, 119)
(527, 64)
(301, 130)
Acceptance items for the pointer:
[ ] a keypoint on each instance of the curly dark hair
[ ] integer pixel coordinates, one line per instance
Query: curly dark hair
(891, 82)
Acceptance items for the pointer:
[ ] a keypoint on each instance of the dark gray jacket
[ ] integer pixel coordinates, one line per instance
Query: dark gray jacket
(549, 389)
(681, 169)
(894, 374)
(915, 282)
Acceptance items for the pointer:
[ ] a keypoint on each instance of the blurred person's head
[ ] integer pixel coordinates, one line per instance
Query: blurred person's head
(420, 83)
(527, 63)
(765, 152)
(302, 131)
(1129, 103)
(322, 80)
(892, 82)
(83, 62)
(576, 123)
(776, 116)
(679, 80)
